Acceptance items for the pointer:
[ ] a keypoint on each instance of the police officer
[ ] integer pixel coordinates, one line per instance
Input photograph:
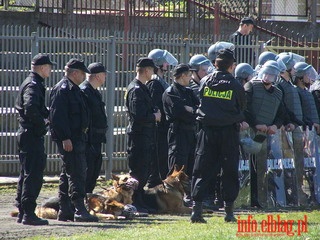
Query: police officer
(157, 85)
(265, 113)
(33, 119)
(180, 105)
(293, 107)
(303, 75)
(98, 122)
(201, 67)
(69, 122)
(222, 101)
(143, 116)
(243, 52)
(244, 73)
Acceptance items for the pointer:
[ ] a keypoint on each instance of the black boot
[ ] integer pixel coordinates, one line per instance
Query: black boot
(20, 215)
(81, 214)
(196, 215)
(66, 212)
(32, 219)
(229, 208)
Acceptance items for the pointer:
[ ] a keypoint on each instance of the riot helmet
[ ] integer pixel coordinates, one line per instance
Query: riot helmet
(265, 56)
(281, 65)
(215, 48)
(244, 71)
(199, 60)
(287, 59)
(249, 145)
(302, 69)
(160, 56)
(269, 71)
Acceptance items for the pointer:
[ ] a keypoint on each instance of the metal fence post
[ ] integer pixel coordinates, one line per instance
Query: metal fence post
(110, 103)
(34, 44)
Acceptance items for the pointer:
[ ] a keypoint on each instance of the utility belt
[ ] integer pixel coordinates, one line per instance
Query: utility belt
(182, 126)
(99, 130)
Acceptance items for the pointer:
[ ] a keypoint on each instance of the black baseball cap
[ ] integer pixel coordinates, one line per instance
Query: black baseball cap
(225, 54)
(145, 62)
(97, 67)
(41, 59)
(247, 20)
(181, 68)
(75, 63)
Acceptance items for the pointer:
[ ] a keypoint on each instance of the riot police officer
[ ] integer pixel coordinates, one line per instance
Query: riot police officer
(98, 122)
(143, 116)
(293, 107)
(222, 101)
(244, 73)
(69, 122)
(157, 85)
(265, 113)
(33, 119)
(201, 66)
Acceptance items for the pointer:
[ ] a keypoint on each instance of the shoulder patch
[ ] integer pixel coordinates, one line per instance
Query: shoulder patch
(64, 85)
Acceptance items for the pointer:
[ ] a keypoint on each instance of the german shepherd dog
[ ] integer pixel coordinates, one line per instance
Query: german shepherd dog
(168, 196)
(107, 204)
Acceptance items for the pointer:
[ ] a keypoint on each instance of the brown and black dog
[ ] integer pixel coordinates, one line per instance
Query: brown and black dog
(107, 204)
(168, 196)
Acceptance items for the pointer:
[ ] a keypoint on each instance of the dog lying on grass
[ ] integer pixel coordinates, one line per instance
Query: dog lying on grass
(110, 203)
(168, 196)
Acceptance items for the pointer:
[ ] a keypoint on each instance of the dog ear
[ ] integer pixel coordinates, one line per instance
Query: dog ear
(115, 177)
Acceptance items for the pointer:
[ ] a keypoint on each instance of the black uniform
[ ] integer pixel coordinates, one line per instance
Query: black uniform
(141, 131)
(30, 104)
(222, 100)
(157, 86)
(69, 120)
(97, 133)
(182, 130)
(194, 85)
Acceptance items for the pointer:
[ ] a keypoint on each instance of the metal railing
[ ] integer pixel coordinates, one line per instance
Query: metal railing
(118, 51)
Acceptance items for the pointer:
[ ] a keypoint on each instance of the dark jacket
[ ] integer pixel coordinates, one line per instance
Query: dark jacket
(69, 117)
(98, 118)
(222, 100)
(140, 107)
(175, 99)
(30, 104)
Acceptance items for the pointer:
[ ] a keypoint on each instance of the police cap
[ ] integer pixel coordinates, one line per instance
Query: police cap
(77, 64)
(97, 67)
(145, 62)
(41, 59)
(181, 68)
(226, 54)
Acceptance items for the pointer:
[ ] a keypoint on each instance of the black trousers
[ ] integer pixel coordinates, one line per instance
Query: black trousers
(141, 148)
(73, 172)
(217, 149)
(162, 147)
(182, 144)
(32, 162)
(94, 163)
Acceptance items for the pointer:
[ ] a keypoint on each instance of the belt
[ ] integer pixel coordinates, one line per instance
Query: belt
(99, 130)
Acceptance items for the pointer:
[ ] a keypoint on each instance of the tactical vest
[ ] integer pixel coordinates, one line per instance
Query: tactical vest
(265, 104)
(291, 98)
(309, 108)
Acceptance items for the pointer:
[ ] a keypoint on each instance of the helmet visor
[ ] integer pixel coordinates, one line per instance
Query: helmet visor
(169, 58)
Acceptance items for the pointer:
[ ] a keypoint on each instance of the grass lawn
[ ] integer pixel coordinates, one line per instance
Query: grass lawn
(179, 227)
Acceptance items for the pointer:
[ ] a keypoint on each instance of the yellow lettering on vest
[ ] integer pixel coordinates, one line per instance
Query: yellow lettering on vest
(207, 92)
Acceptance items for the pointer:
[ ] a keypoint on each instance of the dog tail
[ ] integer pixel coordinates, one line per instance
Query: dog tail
(42, 212)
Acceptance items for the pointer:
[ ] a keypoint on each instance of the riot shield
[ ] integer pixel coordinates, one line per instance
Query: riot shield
(312, 165)
(275, 174)
(243, 199)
